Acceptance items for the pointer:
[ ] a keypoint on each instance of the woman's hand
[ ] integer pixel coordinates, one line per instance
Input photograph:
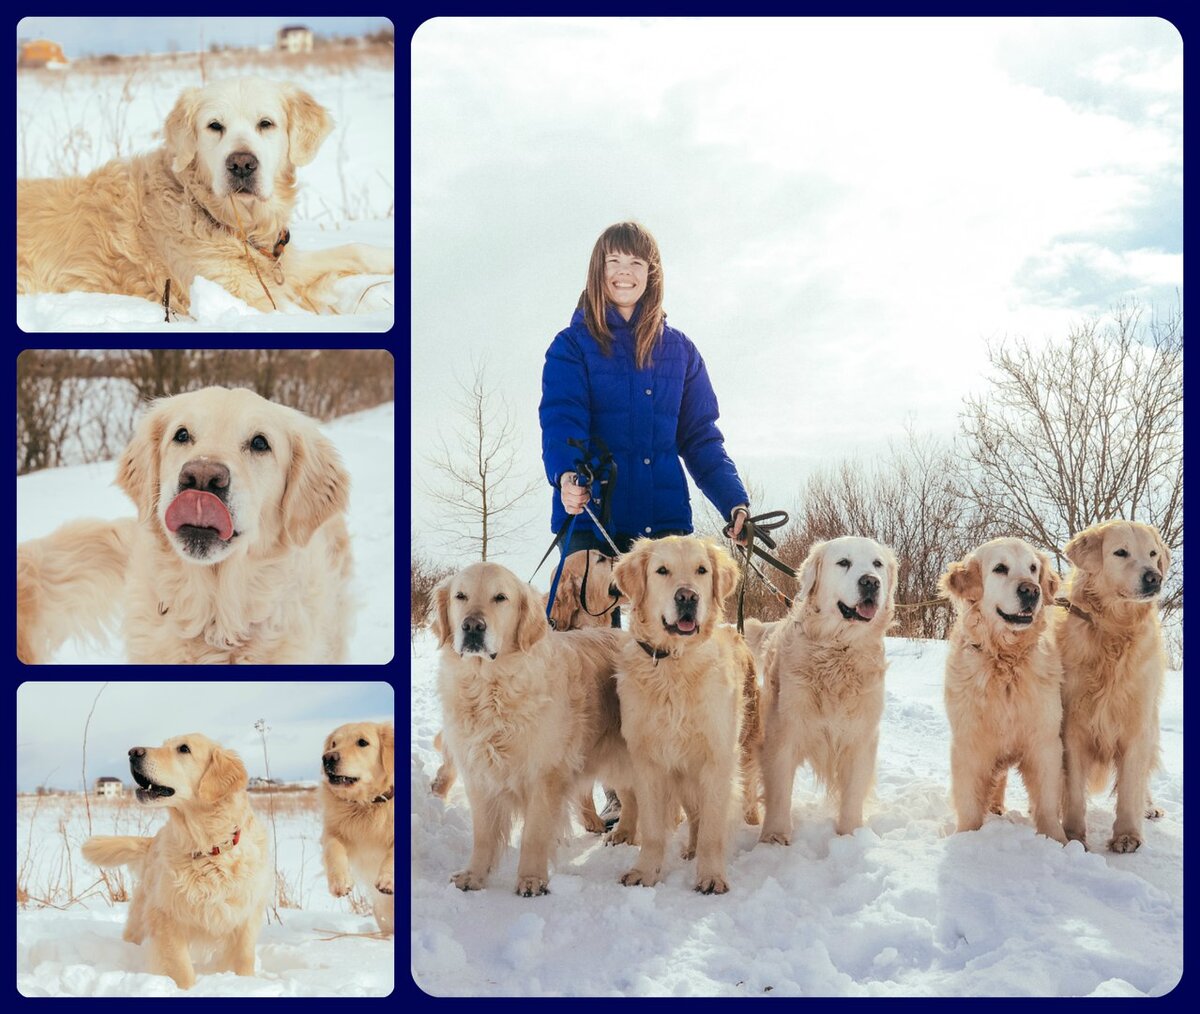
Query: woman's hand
(737, 518)
(574, 498)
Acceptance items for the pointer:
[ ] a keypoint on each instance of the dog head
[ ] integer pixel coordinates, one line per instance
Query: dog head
(1006, 580)
(1121, 559)
(186, 770)
(358, 761)
(485, 610)
(850, 583)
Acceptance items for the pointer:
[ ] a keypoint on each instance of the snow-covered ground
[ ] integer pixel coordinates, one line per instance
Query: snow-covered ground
(323, 946)
(73, 122)
(904, 907)
(366, 441)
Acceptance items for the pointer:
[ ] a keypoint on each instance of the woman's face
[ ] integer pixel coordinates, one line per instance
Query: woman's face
(624, 281)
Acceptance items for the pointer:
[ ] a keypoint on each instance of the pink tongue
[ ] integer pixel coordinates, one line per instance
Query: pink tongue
(866, 609)
(192, 507)
(686, 624)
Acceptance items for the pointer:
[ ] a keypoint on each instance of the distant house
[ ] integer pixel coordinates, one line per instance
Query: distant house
(295, 39)
(109, 787)
(263, 783)
(41, 53)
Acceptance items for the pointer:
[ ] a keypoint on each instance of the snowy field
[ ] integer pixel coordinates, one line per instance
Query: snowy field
(366, 441)
(904, 907)
(72, 122)
(323, 946)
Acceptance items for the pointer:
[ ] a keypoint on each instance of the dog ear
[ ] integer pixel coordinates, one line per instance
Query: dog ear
(532, 625)
(963, 580)
(138, 470)
(1164, 552)
(317, 487)
(179, 131)
(387, 749)
(1050, 582)
(629, 572)
(566, 600)
(892, 567)
(225, 775)
(725, 572)
(309, 123)
(1084, 550)
(440, 623)
(810, 571)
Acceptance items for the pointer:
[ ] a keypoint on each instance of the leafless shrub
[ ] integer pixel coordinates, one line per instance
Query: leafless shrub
(424, 576)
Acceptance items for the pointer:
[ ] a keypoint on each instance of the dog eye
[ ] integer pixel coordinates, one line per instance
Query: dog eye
(1153, 553)
(363, 742)
(215, 125)
(182, 436)
(461, 596)
(264, 124)
(183, 748)
(844, 563)
(1033, 568)
(501, 597)
(701, 570)
(1000, 568)
(663, 571)
(877, 564)
(259, 443)
(1121, 552)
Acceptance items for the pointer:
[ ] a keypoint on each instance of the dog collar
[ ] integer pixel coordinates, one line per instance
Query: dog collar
(272, 252)
(653, 652)
(216, 849)
(386, 796)
(1074, 610)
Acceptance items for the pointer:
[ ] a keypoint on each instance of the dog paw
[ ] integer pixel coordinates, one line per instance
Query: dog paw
(592, 822)
(619, 836)
(751, 815)
(531, 887)
(1125, 842)
(775, 838)
(687, 852)
(441, 785)
(636, 877)
(712, 884)
(1154, 812)
(468, 880)
(385, 884)
(339, 887)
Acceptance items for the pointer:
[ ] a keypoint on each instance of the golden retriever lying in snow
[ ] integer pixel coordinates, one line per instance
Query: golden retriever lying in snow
(530, 717)
(1004, 683)
(823, 667)
(203, 880)
(686, 685)
(357, 801)
(239, 553)
(1114, 667)
(214, 201)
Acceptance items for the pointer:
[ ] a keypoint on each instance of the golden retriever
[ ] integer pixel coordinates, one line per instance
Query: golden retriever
(530, 717)
(585, 597)
(1114, 666)
(823, 672)
(203, 880)
(357, 803)
(214, 201)
(686, 687)
(239, 553)
(1004, 683)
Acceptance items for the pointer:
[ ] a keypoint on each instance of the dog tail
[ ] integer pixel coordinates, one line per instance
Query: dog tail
(115, 850)
(70, 583)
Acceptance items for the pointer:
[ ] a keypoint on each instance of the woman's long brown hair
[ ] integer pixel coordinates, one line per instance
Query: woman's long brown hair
(635, 241)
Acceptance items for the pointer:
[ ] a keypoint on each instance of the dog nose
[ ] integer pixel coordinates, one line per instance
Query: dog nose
(474, 624)
(137, 751)
(1151, 581)
(241, 164)
(206, 476)
(868, 584)
(686, 597)
(1028, 593)
(330, 759)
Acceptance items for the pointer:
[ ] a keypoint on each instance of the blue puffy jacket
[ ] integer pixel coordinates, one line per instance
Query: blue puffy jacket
(648, 419)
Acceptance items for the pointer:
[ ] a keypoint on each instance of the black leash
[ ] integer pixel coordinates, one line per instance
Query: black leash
(760, 526)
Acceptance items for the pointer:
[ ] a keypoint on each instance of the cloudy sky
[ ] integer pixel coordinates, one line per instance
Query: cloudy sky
(127, 36)
(51, 718)
(847, 210)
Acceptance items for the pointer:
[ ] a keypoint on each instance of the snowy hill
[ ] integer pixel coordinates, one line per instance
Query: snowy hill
(904, 907)
(366, 441)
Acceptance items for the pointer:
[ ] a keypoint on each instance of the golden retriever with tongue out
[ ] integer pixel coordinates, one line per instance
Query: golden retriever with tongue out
(239, 553)
(823, 667)
(689, 704)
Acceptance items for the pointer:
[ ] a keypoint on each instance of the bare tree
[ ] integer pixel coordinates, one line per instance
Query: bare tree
(1083, 431)
(480, 485)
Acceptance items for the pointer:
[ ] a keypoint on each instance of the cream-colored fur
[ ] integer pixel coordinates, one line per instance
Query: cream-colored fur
(1114, 666)
(823, 678)
(358, 805)
(1004, 683)
(188, 901)
(683, 715)
(530, 716)
(175, 212)
(276, 592)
